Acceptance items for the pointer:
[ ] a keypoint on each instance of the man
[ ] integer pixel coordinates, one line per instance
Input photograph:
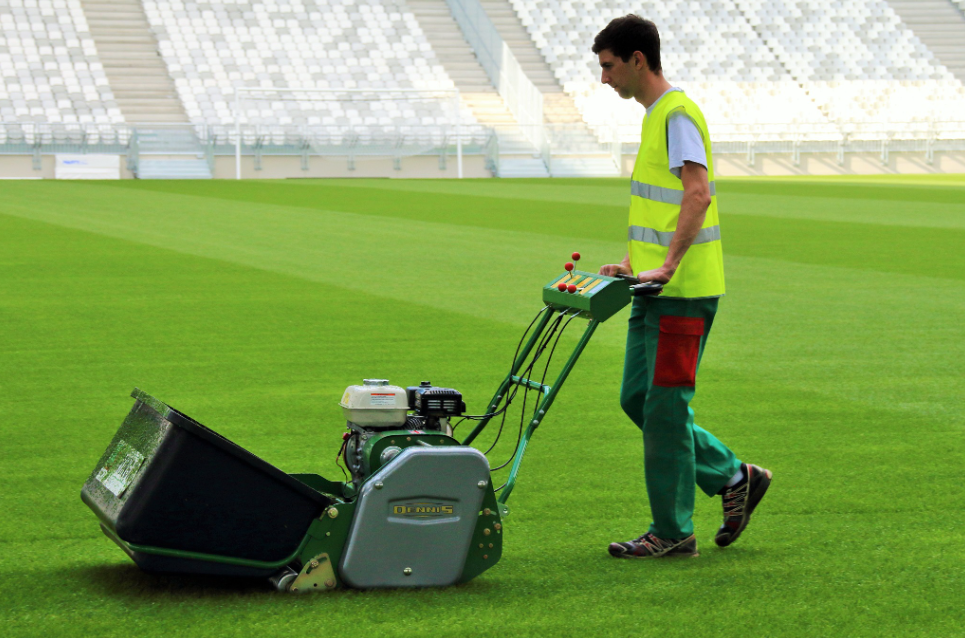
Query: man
(674, 239)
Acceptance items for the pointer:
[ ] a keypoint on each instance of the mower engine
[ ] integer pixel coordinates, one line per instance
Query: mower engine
(376, 408)
(425, 510)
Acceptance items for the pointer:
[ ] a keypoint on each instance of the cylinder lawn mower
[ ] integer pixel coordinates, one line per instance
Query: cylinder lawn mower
(418, 507)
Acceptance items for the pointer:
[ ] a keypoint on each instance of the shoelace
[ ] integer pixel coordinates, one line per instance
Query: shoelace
(652, 543)
(734, 501)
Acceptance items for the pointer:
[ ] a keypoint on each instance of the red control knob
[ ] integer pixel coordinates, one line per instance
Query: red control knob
(345, 435)
(576, 256)
(568, 266)
(571, 288)
(561, 287)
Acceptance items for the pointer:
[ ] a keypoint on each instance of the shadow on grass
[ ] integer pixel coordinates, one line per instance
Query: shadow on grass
(712, 559)
(129, 582)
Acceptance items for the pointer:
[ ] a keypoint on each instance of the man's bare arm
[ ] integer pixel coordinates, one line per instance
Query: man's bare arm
(693, 211)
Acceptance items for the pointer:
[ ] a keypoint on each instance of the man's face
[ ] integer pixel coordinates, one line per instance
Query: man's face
(622, 76)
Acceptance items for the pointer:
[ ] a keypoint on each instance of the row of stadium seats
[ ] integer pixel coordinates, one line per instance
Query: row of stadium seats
(830, 40)
(212, 47)
(778, 65)
(757, 62)
(30, 133)
(695, 48)
(49, 70)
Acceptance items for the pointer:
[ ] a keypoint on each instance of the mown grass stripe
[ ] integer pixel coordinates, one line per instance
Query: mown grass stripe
(851, 392)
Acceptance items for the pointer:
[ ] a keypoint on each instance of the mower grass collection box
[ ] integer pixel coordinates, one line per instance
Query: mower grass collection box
(178, 497)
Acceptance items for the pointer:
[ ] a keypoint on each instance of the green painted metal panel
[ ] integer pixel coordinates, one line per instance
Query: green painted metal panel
(328, 535)
(488, 532)
(372, 452)
(598, 297)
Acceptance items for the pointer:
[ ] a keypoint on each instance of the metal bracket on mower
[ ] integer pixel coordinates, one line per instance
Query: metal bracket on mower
(318, 573)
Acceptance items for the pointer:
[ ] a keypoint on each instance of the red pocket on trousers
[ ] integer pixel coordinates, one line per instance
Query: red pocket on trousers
(677, 350)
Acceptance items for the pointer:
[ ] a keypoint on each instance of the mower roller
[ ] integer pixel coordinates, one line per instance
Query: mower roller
(417, 508)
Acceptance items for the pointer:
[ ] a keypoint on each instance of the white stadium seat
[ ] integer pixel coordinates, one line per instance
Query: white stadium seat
(49, 71)
(769, 69)
(756, 66)
(314, 44)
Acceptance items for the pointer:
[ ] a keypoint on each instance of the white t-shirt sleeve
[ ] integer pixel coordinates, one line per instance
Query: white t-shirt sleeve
(684, 143)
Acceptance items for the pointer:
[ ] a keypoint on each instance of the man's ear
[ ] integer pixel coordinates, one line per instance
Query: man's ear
(639, 60)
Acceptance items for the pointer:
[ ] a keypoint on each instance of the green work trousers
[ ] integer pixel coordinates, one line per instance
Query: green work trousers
(665, 341)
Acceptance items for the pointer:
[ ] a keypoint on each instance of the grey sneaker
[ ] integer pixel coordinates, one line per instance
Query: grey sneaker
(740, 501)
(649, 546)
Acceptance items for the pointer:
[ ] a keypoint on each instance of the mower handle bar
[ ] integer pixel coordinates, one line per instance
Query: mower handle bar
(643, 289)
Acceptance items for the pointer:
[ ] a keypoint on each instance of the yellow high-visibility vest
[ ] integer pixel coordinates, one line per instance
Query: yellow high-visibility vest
(656, 194)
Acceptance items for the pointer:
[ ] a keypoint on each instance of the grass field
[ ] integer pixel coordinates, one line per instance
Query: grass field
(837, 361)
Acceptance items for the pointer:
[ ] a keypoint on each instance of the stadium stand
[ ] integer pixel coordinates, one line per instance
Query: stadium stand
(940, 25)
(721, 62)
(857, 61)
(773, 76)
(210, 47)
(49, 69)
(828, 40)
(768, 68)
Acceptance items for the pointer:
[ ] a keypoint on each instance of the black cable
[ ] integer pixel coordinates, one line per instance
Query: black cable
(522, 415)
(541, 346)
(480, 417)
(499, 433)
(338, 458)
(515, 355)
(522, 419)
(546, 368)
(525, 373)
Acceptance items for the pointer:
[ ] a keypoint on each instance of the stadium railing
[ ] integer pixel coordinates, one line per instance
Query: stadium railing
(841, 138)
(210, 141)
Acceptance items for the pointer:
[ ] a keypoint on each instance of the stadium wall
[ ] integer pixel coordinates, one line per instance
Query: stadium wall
(289, 167)
(828, 164)
(283, 167)
(44, 167)
(726, 165)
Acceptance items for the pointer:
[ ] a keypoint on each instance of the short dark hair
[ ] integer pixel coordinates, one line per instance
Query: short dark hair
(630, 33)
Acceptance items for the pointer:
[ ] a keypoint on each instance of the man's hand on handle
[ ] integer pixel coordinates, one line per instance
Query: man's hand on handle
(660, 275)
(612, 270)
(615, 270)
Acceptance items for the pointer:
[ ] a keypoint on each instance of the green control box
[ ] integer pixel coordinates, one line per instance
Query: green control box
(596, 296)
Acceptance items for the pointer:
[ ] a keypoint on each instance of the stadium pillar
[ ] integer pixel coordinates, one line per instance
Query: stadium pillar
(237, 134)
(458, 138)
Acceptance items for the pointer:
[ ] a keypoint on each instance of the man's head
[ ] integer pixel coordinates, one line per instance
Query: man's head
(629, 53)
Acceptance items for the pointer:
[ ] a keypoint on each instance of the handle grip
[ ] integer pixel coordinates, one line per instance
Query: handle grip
(641, 289)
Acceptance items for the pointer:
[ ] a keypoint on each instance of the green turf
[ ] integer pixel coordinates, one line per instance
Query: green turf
(837, 361)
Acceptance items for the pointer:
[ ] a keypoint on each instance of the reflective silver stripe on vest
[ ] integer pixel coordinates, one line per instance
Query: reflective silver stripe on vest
(661, 194)
(662, 238)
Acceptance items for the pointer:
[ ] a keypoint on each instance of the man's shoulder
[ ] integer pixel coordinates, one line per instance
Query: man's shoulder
(681, 101)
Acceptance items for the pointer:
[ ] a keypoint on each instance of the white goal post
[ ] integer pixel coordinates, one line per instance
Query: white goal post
(447, 97)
